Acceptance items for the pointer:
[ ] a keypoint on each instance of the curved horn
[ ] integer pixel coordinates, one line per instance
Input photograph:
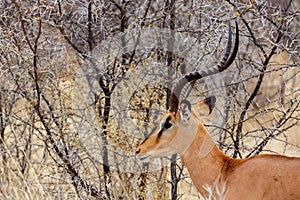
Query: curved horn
(225, 62)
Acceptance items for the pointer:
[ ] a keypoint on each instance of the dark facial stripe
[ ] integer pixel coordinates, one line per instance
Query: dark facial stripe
(163, 125)
(160, 132)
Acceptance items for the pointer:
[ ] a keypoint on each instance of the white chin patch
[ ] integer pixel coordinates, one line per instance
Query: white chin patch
(144, 159)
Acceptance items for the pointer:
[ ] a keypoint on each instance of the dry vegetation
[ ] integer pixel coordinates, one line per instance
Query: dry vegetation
(77, 95)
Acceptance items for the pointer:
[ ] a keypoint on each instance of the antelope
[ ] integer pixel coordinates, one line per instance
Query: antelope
(181, 131)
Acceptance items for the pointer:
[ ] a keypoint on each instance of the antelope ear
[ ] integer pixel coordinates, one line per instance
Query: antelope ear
(185, 110)
(205, 107)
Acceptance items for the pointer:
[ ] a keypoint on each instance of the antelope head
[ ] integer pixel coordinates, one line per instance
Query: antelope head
(179, 125)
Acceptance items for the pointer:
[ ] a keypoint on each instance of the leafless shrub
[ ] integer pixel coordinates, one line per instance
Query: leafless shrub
(59, 140)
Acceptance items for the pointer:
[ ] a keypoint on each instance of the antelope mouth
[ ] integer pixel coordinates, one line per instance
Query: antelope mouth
(144, 158)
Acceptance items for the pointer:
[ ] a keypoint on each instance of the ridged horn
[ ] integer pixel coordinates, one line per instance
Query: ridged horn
(225, 62)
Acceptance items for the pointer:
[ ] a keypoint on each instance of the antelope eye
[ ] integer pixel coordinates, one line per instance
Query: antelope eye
(167, 125)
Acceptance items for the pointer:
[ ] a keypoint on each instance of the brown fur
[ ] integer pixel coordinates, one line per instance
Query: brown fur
(259, 177)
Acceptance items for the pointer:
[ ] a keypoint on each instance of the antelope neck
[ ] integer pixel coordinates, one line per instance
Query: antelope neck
(203, 160)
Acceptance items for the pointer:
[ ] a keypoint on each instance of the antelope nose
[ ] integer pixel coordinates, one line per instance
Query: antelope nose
(137, 151)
